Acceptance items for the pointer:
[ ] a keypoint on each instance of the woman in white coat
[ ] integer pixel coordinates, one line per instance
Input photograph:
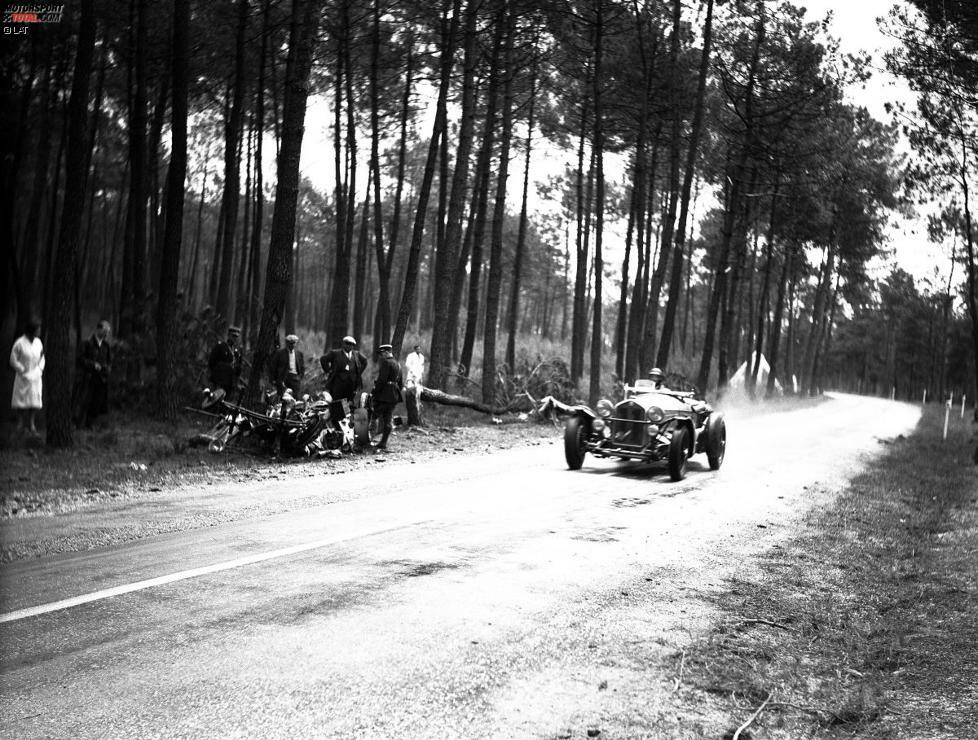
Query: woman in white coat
(27, 360)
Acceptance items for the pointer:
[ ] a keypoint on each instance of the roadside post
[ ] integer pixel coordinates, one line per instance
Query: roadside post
(925, 397)
(963, 396)
(947, 414)
(893, 393)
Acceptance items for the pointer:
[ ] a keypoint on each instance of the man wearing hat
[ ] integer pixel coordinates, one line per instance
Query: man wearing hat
(387, 392)
(224, 363)
(343, 369)
(288, 366)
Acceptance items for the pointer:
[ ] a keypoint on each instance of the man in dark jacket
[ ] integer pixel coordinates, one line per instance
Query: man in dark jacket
(343, 369)
(287, 367)
(387, 392)
(224, 363)
(96, 365)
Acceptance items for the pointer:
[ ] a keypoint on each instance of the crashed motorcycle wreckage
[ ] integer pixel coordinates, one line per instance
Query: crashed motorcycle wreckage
(288, 426)
(650, 424)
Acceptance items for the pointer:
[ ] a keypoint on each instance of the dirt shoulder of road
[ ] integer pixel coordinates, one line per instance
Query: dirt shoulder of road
(134, 458)
(864, 624)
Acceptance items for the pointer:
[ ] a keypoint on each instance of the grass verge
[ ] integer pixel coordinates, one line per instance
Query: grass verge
(864, 625)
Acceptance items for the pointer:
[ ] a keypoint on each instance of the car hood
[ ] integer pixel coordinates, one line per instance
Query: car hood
(665, 401)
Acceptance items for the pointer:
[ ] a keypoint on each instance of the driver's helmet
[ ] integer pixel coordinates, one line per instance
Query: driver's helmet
(656, 375)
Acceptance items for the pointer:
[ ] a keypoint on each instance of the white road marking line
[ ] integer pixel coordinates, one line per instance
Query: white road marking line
(183, 575)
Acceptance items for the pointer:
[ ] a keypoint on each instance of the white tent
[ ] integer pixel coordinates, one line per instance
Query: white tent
(738, 381)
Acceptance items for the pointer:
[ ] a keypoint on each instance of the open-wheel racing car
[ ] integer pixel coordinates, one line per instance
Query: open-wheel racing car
(650, 424)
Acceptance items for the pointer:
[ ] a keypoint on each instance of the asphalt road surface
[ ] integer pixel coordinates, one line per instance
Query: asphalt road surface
(484, 595)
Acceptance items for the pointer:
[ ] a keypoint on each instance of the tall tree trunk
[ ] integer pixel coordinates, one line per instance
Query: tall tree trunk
(477, 217)
(424, 193)
(166, 314)
(597, 337)
(59, 431)
(669, 223)
(302, 34)
(494, 280)
(765, 289)
(679, 242)
(579, 316)
(360, 276)
(777, 320)
(383, 321)
(383, 271)
(733, 205)
(132, 319)
(514, 298)
(256, 229)
(447, 255)
(232, 166)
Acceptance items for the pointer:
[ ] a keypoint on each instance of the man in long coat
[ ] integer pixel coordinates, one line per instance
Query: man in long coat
(343, 369)
(96, 365)
(224, 363)
(387, 392)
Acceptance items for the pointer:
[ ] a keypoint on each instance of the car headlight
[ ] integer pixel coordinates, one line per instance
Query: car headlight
(604, 408)
(654, 414)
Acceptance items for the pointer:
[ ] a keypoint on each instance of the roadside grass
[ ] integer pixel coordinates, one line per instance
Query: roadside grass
(864, 625)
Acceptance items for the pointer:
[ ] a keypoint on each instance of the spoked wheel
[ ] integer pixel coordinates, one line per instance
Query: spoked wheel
(574, 449)
(219, 435)
(678, 454)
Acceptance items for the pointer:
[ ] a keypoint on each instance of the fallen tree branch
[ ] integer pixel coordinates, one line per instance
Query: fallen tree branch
(447, 399)
(768, 622)
(750, 720)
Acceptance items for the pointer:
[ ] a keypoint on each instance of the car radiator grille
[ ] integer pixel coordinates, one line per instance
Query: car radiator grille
(628, 425)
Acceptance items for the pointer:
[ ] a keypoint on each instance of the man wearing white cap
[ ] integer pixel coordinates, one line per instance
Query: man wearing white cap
(288, 366)
(343, 369)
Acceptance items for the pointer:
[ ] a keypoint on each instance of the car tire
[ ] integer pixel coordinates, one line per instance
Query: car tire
(574, 450)
(361, 427)
(678, 454)
(716, 441)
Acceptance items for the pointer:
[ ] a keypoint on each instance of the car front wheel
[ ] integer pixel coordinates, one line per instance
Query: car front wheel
(678, 454)
(574, 448)
(716, 441)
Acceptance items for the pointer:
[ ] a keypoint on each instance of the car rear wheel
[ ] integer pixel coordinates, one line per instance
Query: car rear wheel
(574, 449)
(716, 441)
(678, 454)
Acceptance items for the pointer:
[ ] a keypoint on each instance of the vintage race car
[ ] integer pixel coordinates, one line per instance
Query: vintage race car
(649, 425)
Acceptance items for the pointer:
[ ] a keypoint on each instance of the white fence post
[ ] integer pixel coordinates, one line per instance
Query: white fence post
(947, 414)
(925, 397)
(963, 396)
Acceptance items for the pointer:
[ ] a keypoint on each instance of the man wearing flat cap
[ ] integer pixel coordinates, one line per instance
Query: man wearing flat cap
(224, 363)
(288, 366)
(343, 368)
(387, 392)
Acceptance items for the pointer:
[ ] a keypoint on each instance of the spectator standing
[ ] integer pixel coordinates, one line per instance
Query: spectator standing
(343, 369)
(414, 367)
(96, 365)
(288, 367)
(387, 392)
(224, 363)
(27, 360)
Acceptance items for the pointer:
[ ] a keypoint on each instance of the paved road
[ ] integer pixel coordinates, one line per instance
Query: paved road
(494, 595)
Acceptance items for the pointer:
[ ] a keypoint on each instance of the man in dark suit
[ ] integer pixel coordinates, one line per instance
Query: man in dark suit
(387, 392)
(288, 366)
(96, 365)
(343, 369)
(224, 363)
